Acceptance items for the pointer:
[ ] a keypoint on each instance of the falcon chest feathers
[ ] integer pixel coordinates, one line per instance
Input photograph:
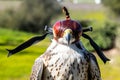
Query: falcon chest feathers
(64, 60)
(64, 63)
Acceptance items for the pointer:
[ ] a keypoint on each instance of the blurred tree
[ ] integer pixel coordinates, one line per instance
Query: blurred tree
(114, 5)
(33, 15)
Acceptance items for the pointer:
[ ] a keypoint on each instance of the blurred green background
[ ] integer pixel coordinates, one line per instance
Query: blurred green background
(23, 19)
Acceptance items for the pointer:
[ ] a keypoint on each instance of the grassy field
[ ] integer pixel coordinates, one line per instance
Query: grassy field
(18, 66)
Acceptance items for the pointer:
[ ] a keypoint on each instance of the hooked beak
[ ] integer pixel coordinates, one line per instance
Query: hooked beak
(68, 35)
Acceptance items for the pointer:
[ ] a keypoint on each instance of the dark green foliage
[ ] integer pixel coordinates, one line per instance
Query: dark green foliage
(114, 5)
(31, 16)
(109, 34)
(38, 13)
(85, 23)
(6, 18)
(104, 36)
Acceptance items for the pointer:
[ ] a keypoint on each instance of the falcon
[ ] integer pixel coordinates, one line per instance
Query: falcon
(65, 58)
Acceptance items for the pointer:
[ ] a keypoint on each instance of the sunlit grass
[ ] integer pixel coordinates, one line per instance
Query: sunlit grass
(12, 37)
(98, 15)
(18, 66)
(110, 71)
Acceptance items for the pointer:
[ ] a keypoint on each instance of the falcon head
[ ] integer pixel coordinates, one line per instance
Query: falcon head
(67, 31)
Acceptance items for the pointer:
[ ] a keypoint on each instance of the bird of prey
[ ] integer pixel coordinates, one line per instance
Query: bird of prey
(66, 58)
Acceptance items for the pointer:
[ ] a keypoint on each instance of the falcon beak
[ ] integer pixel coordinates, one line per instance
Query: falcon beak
(68, 35)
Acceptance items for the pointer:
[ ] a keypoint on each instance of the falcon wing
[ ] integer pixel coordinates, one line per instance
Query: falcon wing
(37, 70)
(94, 70)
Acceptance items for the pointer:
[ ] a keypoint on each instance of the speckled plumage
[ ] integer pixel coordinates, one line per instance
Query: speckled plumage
(65, 62)
(66, 58)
